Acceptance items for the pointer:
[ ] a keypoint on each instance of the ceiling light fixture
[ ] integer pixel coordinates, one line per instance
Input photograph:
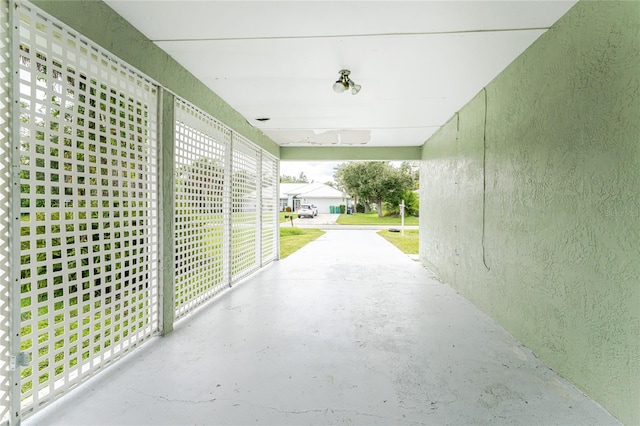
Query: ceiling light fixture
(344, 83)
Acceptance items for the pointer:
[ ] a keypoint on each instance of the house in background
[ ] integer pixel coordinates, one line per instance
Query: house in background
(321, 195)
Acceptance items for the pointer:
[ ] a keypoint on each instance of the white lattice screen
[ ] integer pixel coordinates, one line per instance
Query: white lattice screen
(88, 193)
(245, 212)
(201, 207)
(85, 197)
(224, 203)
(5, 164)
(269, 200)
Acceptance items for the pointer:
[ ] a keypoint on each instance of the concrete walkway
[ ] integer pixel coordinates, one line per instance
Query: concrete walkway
(348, 330)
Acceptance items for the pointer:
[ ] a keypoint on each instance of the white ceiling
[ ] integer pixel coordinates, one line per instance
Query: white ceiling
(418, 61)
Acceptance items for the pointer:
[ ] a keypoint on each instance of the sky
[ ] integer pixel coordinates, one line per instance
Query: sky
(316, 171)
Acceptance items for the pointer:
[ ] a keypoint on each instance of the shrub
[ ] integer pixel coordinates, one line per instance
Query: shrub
(411, 202)
(287, 209)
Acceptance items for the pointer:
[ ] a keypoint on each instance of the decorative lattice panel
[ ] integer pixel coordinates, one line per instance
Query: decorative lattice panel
(245, 212)
(5, 163)
(269, 201)
(201, 207)
(88, 193)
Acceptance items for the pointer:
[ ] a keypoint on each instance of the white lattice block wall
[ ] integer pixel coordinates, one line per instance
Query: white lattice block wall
(270, 220)
(88, 207)
(5, 166)
(80, 208)
(201, 206)
(245, 212)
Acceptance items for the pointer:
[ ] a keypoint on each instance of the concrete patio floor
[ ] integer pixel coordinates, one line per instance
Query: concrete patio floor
(348, 330)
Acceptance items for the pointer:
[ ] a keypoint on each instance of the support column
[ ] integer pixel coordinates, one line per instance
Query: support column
(167, 217)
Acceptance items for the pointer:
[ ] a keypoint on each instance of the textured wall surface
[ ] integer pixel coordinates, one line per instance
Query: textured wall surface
(530, 205)
(101, 24)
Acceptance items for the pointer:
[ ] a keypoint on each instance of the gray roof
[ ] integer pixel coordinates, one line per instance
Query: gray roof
(309, 190)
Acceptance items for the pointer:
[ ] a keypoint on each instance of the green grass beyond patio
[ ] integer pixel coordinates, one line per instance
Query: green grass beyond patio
(287, 219)
(293, 239)
(407, 243)
(373, 219)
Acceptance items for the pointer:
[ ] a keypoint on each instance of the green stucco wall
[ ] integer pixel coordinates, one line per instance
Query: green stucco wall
(530, 202)
(98, 22)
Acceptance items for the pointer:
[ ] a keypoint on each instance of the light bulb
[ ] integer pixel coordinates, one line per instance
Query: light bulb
(355, 89)
(339, 86)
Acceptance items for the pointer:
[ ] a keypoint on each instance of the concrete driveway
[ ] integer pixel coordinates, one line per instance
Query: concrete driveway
(320, 219)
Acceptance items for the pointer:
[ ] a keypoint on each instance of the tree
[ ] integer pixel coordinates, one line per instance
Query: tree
(374, 181)
(302, 178)
(411, 202)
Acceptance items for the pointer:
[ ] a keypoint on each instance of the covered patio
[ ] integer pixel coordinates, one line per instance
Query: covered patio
(348, 330)
(140, 151)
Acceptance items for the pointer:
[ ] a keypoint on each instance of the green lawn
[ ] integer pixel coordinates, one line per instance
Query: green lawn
(292, 239)
(283, 214)
(373, 219)
(408, 242)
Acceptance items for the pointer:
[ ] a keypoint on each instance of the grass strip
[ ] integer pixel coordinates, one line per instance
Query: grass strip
(407, 243)
(287, 219)
(373, 219)
(293, 239)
